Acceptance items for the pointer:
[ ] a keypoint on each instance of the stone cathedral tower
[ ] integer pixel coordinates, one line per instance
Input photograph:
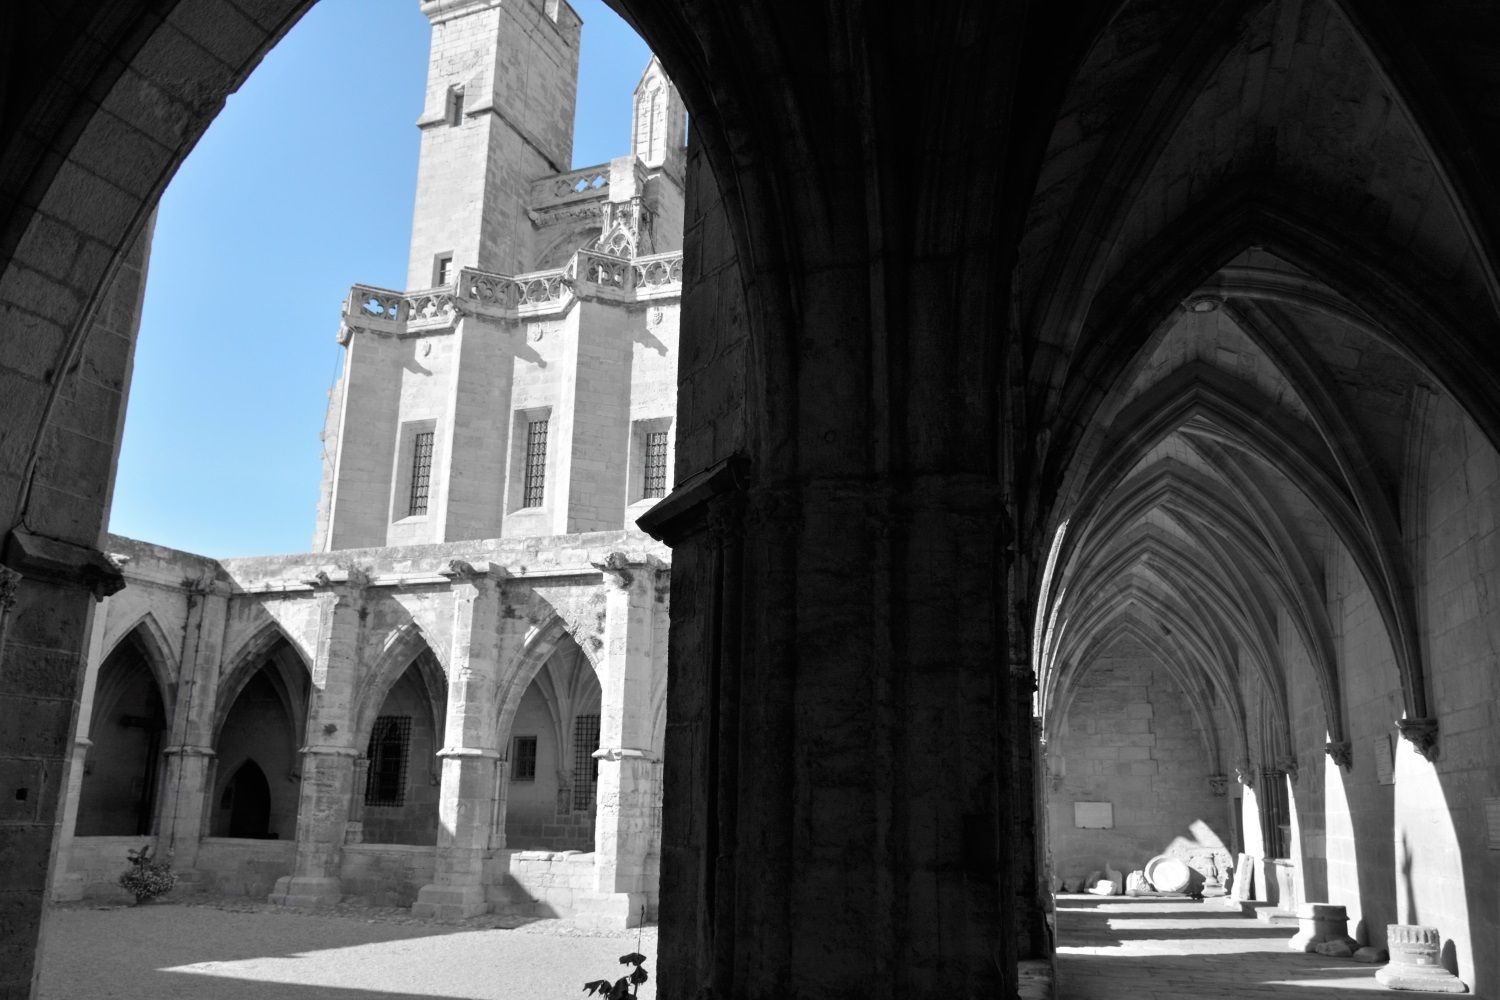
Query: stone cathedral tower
(524, 384)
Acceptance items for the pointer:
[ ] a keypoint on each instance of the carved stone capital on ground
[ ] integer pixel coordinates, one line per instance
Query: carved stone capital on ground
(1219, 784)
(1422, 734)
(1341, 752)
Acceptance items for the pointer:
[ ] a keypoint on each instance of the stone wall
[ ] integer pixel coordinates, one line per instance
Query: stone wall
(386, 874)
(1131, 740)
(249, 868)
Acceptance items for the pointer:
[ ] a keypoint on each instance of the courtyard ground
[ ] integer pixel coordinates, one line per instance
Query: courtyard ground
(238, 951)
(1124, 948)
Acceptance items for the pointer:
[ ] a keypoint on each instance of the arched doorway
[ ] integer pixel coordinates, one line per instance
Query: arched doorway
(120, 775)
(247, 798)
(259, 739)
(550, 803)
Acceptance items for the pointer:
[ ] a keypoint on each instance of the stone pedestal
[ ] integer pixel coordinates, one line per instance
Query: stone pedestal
(464, 811)
(1322, 924)
(1415, 961)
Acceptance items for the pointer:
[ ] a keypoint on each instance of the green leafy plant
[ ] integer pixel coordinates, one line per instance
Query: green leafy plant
(144, 879)
(622, 987)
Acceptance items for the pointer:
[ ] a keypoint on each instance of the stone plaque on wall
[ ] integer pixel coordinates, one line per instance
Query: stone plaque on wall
(1492, 821)
(1384, 766)
(1094, 815)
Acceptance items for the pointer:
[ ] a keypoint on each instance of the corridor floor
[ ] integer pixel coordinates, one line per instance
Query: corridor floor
(1149, 948)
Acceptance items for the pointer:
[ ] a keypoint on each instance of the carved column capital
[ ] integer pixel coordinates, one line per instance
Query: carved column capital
(475, 574)
(346, 582)
(616, 569)
(1422, 734)
(52, 560)
(1341, 752)
(1219, 784)
(1245, 773)
(1287, 765)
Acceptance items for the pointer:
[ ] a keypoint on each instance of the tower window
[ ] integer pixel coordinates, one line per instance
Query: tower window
(390, 746)
(523, 767)
(536, 462)
(585, 764)
(442, 269)
(421, 472)
(455, 106)
(655, 483)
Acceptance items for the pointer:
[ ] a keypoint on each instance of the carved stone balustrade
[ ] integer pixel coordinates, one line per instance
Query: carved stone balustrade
(588, 274)
(575, 185)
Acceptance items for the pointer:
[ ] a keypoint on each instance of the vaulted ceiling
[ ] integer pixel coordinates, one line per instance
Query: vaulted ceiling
(1248, 272)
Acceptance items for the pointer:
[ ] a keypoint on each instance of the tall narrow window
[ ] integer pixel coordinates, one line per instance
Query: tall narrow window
(390, 743)
(455, 105)
(536, 462)
(421, 473)
(655, 484)
(523, 767)
(585, 764)
(442, 269)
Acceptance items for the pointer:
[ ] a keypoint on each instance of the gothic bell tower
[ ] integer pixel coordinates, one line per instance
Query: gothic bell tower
(502, 82)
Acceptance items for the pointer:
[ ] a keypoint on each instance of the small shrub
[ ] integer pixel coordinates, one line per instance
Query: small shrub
(144, 879)
(620, 988)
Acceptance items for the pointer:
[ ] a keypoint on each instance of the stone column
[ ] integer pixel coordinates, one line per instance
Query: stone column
(329, 754)
(67, 886)
(48, 592)
(189, 754)
(354, 829)
(467, 803)
(623, 823)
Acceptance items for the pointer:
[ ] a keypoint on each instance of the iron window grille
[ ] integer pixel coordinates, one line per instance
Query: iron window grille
(524, 768)
(536, 463)
(421, 472)
(655, 484)
(390, 749)
(585, 764)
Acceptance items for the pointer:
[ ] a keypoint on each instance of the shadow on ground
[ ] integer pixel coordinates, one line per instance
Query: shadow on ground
(198, 951)
(1118, 948)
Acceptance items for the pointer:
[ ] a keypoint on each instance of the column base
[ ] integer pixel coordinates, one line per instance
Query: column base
(190, 881)
(1429, 978)
(293, 891)
(450, 902)
(615, 910)
(67, 888)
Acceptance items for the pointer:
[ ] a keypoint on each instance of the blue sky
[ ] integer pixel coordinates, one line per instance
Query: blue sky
(302, 187)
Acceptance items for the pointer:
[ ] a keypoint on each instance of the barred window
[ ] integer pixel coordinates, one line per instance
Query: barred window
(536, 463)
(421, 472)
(390, 746)
(585, 765)
(523, 767)
(656, 464)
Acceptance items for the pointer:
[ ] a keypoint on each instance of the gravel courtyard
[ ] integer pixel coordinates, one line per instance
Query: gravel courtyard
(231, 951)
